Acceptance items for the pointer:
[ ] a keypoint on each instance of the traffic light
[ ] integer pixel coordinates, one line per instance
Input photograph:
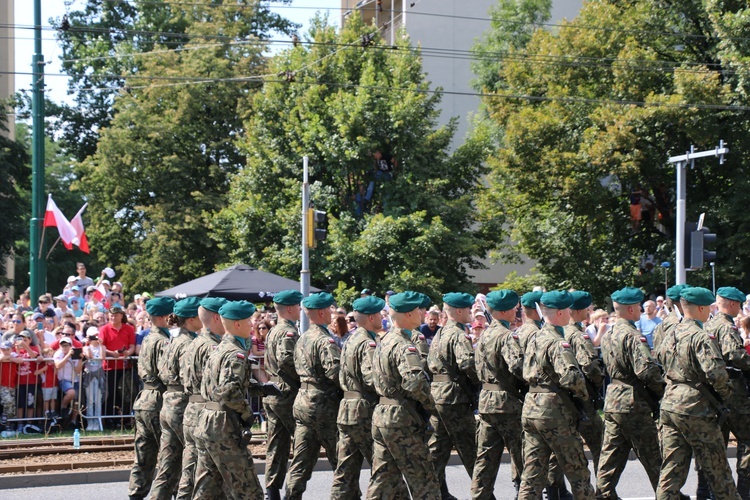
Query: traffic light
(699, 239)
(317, 227)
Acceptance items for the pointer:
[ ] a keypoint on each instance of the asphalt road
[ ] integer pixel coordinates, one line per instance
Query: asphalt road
(633, 485)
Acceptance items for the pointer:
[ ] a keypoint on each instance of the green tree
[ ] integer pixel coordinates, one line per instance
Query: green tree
(608, 96)
(341, 98)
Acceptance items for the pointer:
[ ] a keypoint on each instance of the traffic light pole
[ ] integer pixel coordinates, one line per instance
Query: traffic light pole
(37, 263)
(304, 281)
(681, 163)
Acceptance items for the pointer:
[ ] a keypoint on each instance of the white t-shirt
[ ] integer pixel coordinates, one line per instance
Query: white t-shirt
(67, 371)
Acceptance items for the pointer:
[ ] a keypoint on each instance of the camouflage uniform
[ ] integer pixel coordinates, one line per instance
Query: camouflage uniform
(628, 419)
(224, 467)
(147, 407)
(191, 374)
(736, 357)
(317, 361)
(549, 425)
(665, 328)
(451, 354)
(689, 423)
(399, 450)
(279, 357)
(421, 344)
(171, 418)
(527, 332)
(500, 367)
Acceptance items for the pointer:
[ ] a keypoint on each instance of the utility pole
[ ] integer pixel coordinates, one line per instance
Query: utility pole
(681, 163)
(304, 281)
(37, 259)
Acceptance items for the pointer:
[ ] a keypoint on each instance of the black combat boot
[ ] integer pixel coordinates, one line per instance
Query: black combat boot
(517, 486)
(743, 487)
(444, 493)
(564, 493)
(551, 492)
(703, 491)
(273, 493)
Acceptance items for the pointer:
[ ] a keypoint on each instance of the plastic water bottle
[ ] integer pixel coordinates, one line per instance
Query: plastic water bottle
(76, 439)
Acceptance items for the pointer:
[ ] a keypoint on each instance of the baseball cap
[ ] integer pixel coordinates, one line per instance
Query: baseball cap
(71, 279)
(61, 297)
(65, 340)
(75, 288)
(37, 316)
(106, 282)
(92, 331)
(24, 333)
(6, 344)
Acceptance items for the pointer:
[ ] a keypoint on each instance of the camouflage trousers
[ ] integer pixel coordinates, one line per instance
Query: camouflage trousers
(592, 433)
(495, 432)
(189, 452)
(171, 445)
(542, 437)
(683, 436)
(455, 426)
(280, 424)
(353, 447)
(8, 400)
(400, 454)
(623, 432)
(147, 437)
(737, 423)
(224, 470)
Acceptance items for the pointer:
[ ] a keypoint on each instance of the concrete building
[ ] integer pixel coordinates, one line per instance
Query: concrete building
(450, 25)
(7, 82)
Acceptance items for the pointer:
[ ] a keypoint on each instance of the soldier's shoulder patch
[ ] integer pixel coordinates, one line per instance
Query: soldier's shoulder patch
(711, 335)
(643, 339)
(411, 348)
(290, 335)
(586, 336)
(331, 341)
(515, 336)
(565, 345)
(421, 337)
(468, 337)
(372, 344)
(240, 355)
(214, 347)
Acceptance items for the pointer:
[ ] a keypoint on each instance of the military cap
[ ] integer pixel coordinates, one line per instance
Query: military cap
(673, 292)
(458, 300)
(288, 298)
(531, 299)
(318, 301)
(212, 304)
(406, 301)
(369, 305)
(627, 296)
(187, 308)
(116, 310)
(698, 295)
(160, 306)
(557, 299)
(731, 293)
(581, 300)
(237, 310)
(426, 301)
(502, 300)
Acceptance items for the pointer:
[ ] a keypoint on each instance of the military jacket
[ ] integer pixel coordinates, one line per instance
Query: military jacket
(627, 358)
(585, 353)
(697, 360)
(356, 376)
(665, 328)
(499, 361)
(194, 360)
(420, 342)
(735, 356)
(169, 370)
(398, 374)
(227, 378)
(279, 357)
(317, 358)
(550, 361)
(152, 351)
(452, 347)
(526, 332)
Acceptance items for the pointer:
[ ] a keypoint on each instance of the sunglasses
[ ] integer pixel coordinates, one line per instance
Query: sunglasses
(262, 328)
(351, 320)
(17, 321)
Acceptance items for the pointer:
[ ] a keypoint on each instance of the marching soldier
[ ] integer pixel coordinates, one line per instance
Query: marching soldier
(279, 363)
(399, 450)
(417, 337)
(692, 407)
(549, 412)
(532, 322)
(175, 400)
(317, 361)
(454, 376)
(665, 328)
(500, 368)
(191, 373)
(148, 402)
(632, 397)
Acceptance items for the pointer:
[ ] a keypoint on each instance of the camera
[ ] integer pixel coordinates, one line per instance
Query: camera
(77, 351)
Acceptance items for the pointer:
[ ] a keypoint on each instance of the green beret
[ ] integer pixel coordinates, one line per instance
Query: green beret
(426, 301)
(187, 308)
(406, 301)
(237, 310)
(674, 292)
(458, 300)
(502, 300)
(557, 299)
(318, 301)
(698, 296)
(369, 304)
(288, 298)
(531, 299)
(627, 296)
(581, 300)
(160, 306)
(213, 304)
(731, 293)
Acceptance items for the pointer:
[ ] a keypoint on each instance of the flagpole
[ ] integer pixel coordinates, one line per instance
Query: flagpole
(41, 243)
(53, 247)
(37, 266)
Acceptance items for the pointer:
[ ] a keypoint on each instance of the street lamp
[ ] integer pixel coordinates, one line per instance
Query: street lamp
(665, 265)
(713, 276)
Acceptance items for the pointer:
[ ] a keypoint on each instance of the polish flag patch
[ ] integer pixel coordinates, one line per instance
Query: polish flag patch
(411, 348)
(240, 355)
(644, 340)
(331, 341)
(565, 345)
(290, 334)
(372, 344)
(586, 336)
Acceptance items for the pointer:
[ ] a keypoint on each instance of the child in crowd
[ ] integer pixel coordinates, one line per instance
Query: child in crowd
(27, 379)
(9, 361)
(49, 384)
(68, 373)
(94, 379)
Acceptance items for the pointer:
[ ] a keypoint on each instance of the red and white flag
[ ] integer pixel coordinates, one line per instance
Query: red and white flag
(53, 217)
(80, 240)
(99, 292)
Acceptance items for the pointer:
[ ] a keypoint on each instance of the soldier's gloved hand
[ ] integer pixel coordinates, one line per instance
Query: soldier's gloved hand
(270, 389)
(245, 437)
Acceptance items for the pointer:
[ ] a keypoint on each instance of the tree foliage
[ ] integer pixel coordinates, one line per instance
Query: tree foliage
(339, 99)
(609, 96)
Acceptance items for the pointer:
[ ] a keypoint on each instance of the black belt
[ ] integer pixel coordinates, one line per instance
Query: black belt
(175, 388)
(196, 398)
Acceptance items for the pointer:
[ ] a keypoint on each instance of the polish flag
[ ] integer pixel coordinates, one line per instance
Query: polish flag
(53, 217)
(99, 292)
(80, 240)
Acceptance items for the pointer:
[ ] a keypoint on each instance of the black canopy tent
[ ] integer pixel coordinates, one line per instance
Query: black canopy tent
(238, 282)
